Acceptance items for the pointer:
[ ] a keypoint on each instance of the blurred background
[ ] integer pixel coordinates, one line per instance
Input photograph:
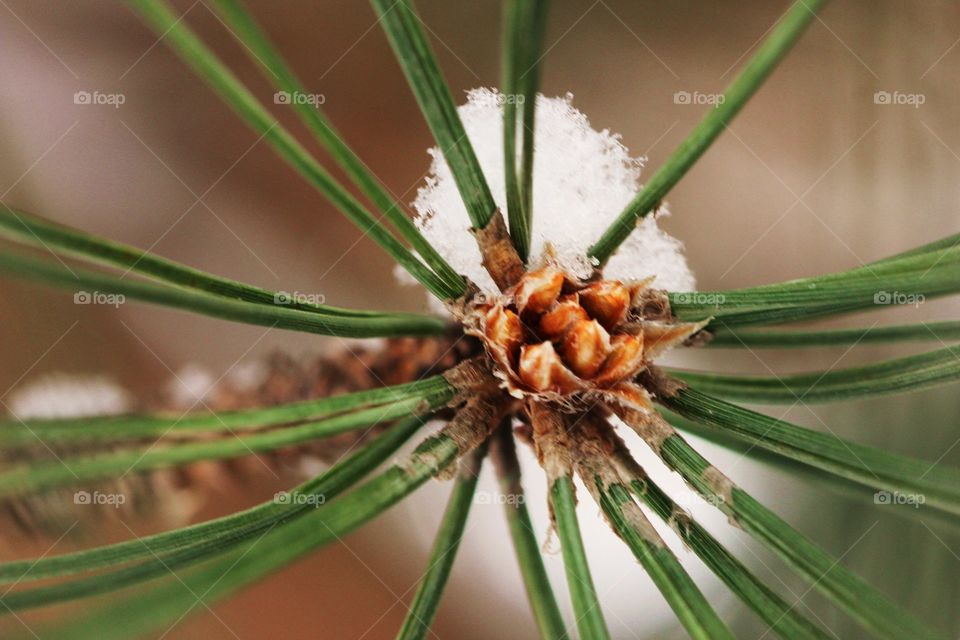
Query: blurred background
(817, 174)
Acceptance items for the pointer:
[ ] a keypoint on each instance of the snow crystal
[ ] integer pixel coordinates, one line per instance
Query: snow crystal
(583, 179)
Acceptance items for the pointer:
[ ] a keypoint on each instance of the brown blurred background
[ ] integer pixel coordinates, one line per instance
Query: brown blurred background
(174, 170)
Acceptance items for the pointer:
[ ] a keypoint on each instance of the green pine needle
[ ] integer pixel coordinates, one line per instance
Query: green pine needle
(118, 428)
(164, 552)
(160, 16)
(586, 605)
(947, 331)
(402, 26)
(512, 58)
(535, 27)
(898, 375)
(524, 24)
(824, 572)
(279, 546)
(874, 468)
(70, 470)
(909, 278)
(540, 594)
(89, 283)
(782, 618)
(770, 52)
(38, 232)
(679, 590)
(416, 624)
(262, 52)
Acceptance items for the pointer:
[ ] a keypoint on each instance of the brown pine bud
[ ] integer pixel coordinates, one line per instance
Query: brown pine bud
(538, 290)
(661, 336)
(541, 369)
(625, 359)
(606, 301)
(554, 323)
(503, 328)
(585, 348)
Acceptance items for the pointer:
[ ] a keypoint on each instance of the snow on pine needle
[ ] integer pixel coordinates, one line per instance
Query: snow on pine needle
(583, 178)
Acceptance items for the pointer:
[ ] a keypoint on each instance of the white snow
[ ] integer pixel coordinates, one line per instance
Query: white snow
(583, 178)
(62, 395)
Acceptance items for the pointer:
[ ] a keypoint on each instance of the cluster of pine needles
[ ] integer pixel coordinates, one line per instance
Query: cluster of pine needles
(513, 387)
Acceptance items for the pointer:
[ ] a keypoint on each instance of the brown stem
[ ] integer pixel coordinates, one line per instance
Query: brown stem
(595, 451)
(468, 429)
(474, 421)
(550, 440)
(630, 472)
(660, 383)
(552, 445)
(500, 258)
(470, 378)
(645, 424)
(655, 430)
(503, 455)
